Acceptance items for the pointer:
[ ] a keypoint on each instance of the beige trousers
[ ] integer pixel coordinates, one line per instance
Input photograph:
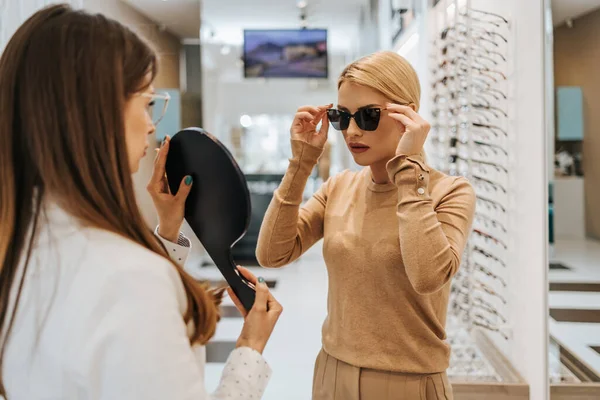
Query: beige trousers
(335, 380)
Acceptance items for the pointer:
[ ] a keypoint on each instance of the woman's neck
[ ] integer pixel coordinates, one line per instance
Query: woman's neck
(379, 173)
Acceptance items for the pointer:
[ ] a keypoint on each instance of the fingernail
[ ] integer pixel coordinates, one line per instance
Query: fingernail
(261, 279)
(188, 180)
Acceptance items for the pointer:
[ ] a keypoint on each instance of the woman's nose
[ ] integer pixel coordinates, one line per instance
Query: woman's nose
(353, 129)
(152, 128)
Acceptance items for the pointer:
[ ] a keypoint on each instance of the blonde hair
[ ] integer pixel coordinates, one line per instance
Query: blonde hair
(390, 74)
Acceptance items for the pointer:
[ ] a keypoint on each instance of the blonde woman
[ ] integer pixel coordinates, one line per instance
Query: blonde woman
(393, 237)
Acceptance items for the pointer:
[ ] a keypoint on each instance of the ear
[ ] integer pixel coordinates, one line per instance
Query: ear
(413, 106)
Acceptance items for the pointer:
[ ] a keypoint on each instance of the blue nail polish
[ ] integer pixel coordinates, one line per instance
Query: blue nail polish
(188, 180)
(261, 279)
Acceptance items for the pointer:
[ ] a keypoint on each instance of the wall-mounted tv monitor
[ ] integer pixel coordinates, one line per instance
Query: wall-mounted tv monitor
(285, 53)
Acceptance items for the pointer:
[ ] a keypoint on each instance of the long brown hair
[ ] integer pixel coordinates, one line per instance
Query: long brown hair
(65, 76)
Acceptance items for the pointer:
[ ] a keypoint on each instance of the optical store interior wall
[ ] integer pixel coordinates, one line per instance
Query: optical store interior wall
(14, 12)
(574, 324)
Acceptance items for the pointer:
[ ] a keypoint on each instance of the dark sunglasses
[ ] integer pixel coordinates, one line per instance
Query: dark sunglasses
(366, 119)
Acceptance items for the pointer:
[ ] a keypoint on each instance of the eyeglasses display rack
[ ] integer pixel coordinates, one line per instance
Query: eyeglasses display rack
(470, 70)
(470, 77)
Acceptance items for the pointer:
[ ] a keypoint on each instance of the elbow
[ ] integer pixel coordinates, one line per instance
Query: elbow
(276, 254)
(263, 251)
(425, 284)
(262, 256)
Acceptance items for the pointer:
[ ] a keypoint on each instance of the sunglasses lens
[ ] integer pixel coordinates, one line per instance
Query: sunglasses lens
(339, 120)
(368, 119)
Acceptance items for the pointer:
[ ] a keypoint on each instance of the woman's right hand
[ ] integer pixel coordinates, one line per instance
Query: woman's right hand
(260, 321)
(305, 124)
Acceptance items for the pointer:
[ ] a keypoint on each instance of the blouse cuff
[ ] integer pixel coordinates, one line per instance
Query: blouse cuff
(177, 251)
(246, 373)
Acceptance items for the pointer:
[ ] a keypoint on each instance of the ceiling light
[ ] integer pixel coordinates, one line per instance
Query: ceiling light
(246, 121)
(302, 4)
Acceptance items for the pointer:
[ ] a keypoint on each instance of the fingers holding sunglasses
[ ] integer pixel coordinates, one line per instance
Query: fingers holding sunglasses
(306, 116)
(324, 125)
(305, 123)
(311, 109)
(406, 110)
(416, 129)
(316, 112)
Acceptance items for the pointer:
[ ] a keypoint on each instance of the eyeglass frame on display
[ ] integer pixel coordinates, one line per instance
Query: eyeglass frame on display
(466, 10)
(485, 220)
(473, 49)
(484, 270)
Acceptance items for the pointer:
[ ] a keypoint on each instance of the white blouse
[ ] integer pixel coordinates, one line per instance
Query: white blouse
(100, 317)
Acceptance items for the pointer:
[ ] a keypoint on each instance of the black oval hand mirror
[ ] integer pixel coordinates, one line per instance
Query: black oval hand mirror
(218, 206)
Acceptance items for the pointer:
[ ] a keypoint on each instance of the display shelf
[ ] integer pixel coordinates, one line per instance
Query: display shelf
(478, 368)
(467, 362)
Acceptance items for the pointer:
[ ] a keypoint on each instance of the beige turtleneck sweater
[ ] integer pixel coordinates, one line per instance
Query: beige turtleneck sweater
(391, 251)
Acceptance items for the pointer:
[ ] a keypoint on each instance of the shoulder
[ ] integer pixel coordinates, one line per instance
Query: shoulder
(122, 252)
(83, 250)
(108, 264)
(343, 179)
(446, 185)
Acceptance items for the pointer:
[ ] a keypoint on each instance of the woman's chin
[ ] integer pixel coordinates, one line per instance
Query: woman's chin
(134, 167)
(361, 160)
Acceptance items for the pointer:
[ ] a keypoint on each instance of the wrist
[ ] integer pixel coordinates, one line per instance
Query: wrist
(168, 233)
(306, 152)
(406, 152)
(247, 343)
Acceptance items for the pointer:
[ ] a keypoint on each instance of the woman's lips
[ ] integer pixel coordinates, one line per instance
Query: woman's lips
(358, 147)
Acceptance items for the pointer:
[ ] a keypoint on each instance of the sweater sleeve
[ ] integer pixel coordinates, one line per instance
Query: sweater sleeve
(288, 230)
(432, 240)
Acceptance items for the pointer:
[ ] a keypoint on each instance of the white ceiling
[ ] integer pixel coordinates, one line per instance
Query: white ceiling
(564, 9)
(228, 18)
(181, 17)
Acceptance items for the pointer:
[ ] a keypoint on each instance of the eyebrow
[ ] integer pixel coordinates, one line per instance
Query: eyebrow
(359, 108)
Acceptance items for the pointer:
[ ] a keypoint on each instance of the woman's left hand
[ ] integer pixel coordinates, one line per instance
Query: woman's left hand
(170, 208)
(415, 129)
